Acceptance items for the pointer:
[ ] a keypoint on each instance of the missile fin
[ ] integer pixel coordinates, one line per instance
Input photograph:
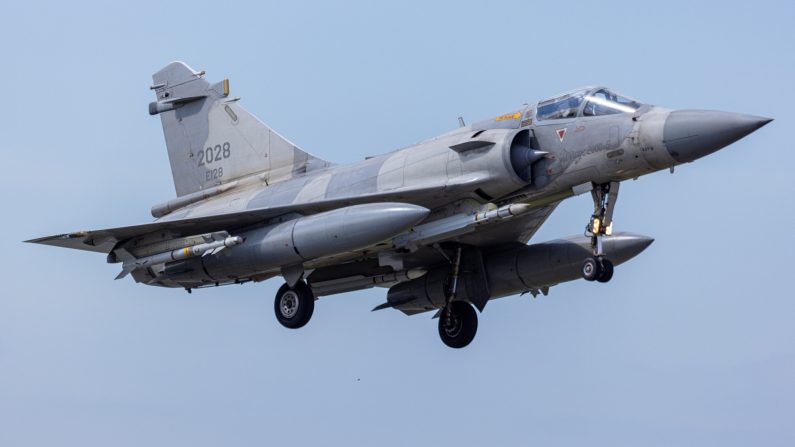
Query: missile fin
(213, 251)
(126, 270)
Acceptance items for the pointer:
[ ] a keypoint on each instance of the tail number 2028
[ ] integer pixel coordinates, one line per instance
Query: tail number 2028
(214, 154)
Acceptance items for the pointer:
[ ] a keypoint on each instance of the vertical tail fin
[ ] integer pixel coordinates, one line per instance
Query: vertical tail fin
(211, 139)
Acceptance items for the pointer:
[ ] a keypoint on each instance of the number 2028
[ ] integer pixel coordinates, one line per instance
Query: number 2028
(214, 154)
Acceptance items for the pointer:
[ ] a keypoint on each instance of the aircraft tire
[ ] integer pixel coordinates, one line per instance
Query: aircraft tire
(294, 305)
(591, 269)
(606, 270)
(462, 329)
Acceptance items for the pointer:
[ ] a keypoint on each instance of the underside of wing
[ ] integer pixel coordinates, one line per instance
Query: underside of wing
(103, 241)
(188, 223)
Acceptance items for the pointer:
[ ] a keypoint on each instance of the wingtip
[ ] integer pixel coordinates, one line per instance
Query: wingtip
(44, 240)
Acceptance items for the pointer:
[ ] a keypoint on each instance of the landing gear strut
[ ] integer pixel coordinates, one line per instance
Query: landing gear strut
(294, 305)
(458, 321)
(598, 267)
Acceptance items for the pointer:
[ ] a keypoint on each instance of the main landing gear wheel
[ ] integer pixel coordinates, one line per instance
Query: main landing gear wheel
(458, 324)
(294, 305)
(597, 269)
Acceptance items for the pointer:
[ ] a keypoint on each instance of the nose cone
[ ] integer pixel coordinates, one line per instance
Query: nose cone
(692, 134)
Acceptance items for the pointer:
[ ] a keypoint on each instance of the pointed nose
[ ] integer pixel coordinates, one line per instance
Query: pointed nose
(692, 134)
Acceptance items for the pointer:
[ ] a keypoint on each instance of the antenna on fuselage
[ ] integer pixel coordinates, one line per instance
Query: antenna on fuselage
(461, 122)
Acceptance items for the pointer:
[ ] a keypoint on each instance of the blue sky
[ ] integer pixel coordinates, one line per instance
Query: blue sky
(692, 343)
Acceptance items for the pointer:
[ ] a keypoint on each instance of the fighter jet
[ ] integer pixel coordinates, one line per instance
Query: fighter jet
(444, 224)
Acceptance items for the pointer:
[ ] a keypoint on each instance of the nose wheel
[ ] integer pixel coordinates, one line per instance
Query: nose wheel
(599, 268)
(294, 305)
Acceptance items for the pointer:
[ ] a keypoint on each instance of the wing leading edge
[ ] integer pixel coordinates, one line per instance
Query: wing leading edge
(103, 241)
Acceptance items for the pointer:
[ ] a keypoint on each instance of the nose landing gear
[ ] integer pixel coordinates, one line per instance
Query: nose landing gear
(598, 267)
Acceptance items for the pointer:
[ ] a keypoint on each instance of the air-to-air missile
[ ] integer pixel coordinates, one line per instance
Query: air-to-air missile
(207, 248)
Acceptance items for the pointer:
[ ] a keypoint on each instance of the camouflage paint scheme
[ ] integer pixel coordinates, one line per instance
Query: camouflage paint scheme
(235, 176)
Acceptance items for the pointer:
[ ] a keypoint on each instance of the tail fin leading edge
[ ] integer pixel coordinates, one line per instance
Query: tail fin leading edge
(211, 139)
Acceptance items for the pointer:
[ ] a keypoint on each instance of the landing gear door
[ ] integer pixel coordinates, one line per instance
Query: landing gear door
(473, 275)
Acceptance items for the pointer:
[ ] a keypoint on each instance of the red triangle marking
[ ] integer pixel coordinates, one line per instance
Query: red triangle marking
(561, 134)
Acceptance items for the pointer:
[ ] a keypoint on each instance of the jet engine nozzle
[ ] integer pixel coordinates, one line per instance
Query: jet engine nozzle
(692, 134)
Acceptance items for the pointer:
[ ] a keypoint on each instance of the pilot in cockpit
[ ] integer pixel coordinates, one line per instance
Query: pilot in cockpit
(569, 110)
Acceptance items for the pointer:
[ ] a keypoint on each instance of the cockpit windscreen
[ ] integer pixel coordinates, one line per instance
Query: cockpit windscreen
(598, 102)
(564, 106)
(605, 102)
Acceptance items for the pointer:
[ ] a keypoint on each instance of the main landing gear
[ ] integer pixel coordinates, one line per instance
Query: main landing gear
(458, 324)
(598, 267)
(294, 305)
(458, 321)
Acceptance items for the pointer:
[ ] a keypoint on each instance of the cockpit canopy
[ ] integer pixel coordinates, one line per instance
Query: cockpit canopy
(597, 101)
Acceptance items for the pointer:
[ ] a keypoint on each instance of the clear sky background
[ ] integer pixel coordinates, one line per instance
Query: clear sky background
(692, 343)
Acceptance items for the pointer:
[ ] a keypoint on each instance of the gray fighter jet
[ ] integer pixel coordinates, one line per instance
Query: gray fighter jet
(443, 224)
